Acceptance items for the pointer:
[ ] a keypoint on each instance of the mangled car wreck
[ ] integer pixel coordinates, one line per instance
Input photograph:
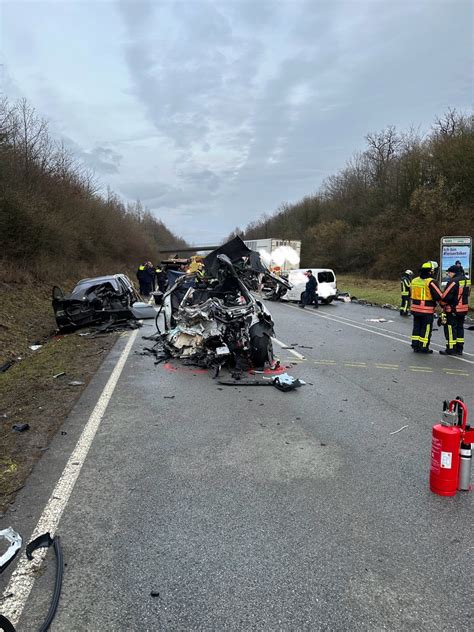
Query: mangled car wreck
(211, 318)
(107, 299)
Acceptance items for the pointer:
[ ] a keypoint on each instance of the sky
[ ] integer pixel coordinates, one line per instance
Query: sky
(215, 112)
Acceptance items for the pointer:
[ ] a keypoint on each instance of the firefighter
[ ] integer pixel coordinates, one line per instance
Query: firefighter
(140, 276)
(455, 306)
(161, 279)
(147, 279)
(405, 284)
(424, 295)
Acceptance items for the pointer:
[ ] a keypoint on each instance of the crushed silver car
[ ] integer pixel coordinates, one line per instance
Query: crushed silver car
(213, 319)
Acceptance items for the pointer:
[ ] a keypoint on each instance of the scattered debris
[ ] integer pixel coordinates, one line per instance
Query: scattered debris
(154, 593)
(399, 430)
(7, 365)
(59, 374)
(378, 320)
(15, 542)
(35, 347)
(20, 427)
(283, 382)
(169, 397)
(76, 383)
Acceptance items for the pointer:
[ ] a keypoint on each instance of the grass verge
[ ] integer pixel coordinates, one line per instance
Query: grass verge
(28, 391)
(376, 291)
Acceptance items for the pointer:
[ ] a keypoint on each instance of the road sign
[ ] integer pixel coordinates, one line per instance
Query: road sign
(454, 249)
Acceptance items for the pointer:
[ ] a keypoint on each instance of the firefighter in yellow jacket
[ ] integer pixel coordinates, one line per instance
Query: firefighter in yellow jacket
(405, 285)
(425, 293)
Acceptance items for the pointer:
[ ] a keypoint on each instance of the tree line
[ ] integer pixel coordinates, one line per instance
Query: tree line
(388, 208)
(53, 220)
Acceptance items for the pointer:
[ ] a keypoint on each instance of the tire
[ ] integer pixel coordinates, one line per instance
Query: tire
(261, 350)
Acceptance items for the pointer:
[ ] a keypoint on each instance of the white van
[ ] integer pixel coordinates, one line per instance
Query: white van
(326, 278)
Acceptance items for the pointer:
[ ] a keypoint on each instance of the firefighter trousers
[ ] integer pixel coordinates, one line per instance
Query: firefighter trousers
(405, 306)
(460, 331)
(422, 330)
(450, 331)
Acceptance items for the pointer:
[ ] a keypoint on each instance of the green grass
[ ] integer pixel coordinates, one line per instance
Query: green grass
(377, 291)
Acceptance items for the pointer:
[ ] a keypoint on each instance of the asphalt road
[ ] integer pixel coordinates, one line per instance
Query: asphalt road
(251, 509)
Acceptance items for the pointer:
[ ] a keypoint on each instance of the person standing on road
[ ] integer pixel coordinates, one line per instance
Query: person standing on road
(455, 305)
(405, 285)
(147, 279)
(140, 276)
(161, 278)
(310, 295)
(424, 295)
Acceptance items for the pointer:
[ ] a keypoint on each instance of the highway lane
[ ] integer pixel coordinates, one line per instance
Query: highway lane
(251, 509)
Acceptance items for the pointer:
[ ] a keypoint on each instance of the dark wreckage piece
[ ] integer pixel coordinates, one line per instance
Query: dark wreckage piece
(42, 541)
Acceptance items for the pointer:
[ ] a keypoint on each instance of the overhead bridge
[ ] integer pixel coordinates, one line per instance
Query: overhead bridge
(190, 249)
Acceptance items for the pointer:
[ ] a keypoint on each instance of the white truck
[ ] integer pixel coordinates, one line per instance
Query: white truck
(278, 253)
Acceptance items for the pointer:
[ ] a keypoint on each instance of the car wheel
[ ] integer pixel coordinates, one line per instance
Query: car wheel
(261, 350)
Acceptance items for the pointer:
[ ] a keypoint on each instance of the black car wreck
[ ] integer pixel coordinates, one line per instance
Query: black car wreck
(98, 300)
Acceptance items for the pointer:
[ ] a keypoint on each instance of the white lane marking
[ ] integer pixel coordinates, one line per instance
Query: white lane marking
(292, 351)
(377, 328)
(21, 582)
(371, 331)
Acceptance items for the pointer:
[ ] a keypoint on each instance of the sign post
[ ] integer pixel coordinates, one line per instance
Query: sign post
(454, 249)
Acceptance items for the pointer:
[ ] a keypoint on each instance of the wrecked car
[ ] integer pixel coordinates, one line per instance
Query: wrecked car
(214, 319)
(98, 300)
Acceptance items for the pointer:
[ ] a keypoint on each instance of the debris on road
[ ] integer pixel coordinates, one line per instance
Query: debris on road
(35, 347)
(378, 320)
(76, 383)
(283, 382)
(399, 430)
(45, 541)
(15, 542)
(59, 375)
(20, 427)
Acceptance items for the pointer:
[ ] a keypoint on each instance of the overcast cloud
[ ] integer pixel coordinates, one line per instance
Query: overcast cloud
(213, 112)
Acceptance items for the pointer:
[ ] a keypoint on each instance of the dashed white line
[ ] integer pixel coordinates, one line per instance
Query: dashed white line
(21, 582)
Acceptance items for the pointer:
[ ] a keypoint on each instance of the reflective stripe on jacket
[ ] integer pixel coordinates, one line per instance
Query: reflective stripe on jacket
(456, 295)
(405, 283)
(422, 299)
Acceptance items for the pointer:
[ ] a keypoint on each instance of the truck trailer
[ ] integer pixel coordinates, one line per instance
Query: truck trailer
(280, 255)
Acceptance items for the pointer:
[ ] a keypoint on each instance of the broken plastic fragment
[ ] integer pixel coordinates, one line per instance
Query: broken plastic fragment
(20, 427)
(15, 541)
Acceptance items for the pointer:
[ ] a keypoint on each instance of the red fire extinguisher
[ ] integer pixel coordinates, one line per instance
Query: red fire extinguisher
(451, 451)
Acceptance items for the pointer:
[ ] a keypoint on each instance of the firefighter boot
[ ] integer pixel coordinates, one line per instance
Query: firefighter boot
(447, 351)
